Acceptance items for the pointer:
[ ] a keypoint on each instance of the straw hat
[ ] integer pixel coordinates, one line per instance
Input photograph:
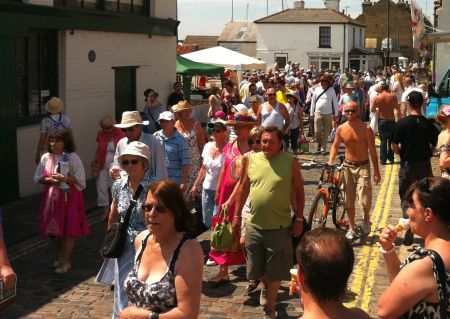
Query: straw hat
(55, 105)
(136, 149)
(131, 118)
(241, 118)
(182, 106)
(294, 95)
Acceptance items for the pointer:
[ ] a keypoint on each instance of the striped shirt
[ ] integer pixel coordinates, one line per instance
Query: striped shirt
(176, 154)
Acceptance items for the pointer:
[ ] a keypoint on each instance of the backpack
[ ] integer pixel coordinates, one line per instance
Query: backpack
(56, 125)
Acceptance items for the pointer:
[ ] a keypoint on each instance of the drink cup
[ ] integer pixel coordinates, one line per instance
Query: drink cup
(115, 172)
(293, 283)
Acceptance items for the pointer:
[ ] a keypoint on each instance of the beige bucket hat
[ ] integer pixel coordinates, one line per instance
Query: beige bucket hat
(55, 105)
(137, 149)
(130, 118)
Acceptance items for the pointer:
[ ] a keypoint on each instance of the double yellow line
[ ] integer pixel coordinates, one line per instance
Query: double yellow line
(364, 272)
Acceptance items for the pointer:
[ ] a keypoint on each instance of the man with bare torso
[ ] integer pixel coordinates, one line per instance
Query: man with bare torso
(359, 142)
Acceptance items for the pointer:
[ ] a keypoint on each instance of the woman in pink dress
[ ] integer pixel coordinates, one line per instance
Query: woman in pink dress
(62, 215)
(229, 177)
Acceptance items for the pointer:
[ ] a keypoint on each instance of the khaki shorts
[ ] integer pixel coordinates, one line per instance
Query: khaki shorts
(269, 253)
(358, 185)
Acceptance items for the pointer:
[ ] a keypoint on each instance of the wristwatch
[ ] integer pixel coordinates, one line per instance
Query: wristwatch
(153, 315)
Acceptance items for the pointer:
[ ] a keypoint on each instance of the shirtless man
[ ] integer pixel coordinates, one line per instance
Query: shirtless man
(359, 142)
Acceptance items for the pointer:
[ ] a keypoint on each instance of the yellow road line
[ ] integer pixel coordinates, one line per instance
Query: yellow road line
(375, 255)
(360, 270)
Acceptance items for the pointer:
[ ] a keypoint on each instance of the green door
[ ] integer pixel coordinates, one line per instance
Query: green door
(8, 136)
(125, 90)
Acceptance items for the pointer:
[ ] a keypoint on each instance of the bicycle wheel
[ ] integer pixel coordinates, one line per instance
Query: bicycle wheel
(339, 211)
(315, 217)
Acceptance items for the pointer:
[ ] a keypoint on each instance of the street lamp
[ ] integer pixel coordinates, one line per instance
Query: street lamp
(388, 36)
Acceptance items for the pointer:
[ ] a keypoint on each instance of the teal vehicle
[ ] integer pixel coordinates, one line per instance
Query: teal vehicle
(439, 97)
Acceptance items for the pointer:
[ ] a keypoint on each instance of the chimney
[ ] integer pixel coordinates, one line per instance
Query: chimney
(299, 4)
(366, 4)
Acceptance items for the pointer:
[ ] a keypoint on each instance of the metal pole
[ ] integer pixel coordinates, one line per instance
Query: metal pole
(388, 37)
(267, 7)
(232, 5)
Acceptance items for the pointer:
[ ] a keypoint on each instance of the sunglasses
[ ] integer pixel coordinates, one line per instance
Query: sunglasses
(217, 131)
(350, 111)
(132, 162)
(149, 207)
(255, 142)
(271, 94)
(128, 129)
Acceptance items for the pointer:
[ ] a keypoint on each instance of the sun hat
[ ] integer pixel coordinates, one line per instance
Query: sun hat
(293, 94)
(220, 115)
(166, 116)
(240, 118)
(182, 106)
(217, 123)
(55, 105)
(130, 118)
(239, 108)
(136, 149)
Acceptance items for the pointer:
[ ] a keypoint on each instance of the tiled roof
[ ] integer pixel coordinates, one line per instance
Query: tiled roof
(202, 41)
(238, 31)
(186, 48)
(315, 16)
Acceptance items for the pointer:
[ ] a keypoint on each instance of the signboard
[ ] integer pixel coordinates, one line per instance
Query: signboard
(324, 54)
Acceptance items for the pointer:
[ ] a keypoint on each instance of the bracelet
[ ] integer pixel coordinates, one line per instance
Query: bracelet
(300, 219)
(385, 252)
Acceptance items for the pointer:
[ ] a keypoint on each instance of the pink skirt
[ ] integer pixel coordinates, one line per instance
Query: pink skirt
(62, 214)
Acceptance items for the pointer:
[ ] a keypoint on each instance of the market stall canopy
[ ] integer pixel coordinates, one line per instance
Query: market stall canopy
(227, 58)
(189, 67)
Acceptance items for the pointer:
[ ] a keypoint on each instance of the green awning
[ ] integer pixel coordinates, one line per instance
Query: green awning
(189, 67)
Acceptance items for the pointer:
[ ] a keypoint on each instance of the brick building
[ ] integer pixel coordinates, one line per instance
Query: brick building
(375, 17)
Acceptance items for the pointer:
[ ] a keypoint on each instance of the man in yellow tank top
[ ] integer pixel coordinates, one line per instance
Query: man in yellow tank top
(274, 183)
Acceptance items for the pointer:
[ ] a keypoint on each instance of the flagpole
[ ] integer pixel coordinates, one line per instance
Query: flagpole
(388, 26)
(232, 11)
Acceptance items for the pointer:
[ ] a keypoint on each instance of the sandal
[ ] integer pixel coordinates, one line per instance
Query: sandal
(252, 285)
(220, 279)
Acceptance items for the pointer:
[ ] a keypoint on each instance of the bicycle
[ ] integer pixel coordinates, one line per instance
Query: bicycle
(329, 195)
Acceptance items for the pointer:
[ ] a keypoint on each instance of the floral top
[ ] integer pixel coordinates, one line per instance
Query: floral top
(121, 194)
(445, 172)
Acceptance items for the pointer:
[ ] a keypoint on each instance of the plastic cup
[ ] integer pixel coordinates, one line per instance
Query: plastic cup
(293, 283)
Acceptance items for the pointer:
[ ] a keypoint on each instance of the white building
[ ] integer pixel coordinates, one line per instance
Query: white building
(443, 48)
(98, 56)
(323, 37)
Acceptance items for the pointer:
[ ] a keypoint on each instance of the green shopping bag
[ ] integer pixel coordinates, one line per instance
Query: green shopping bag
(222, 234)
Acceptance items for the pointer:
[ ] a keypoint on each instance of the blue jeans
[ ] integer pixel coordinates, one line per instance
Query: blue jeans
(209, 208)
(122, 267)
(385, 128)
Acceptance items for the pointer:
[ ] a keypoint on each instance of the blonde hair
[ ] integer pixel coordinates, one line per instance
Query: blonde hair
(398, 77)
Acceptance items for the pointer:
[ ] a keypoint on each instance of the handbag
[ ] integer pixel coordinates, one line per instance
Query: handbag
(115, 237)
(304, 145)
(222, 234)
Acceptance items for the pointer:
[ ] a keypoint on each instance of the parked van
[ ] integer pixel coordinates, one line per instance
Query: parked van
(439, 97)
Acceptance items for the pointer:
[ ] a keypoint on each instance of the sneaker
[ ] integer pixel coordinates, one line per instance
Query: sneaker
(263, 297)
(366, 227)
(62, 269)
(269, 314)
(211, 262)
(351, 235)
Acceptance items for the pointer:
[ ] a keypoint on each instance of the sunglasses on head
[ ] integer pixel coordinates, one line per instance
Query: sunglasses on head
(132, 162)
(128, 129)
(350, 111)
(149, 207)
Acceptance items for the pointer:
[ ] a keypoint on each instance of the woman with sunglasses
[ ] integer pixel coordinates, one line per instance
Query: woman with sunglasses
(420, 286)
(135, 161)
(107, 139)
(443, 116)
(166, 279)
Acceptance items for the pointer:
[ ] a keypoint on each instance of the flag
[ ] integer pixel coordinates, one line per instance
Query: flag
(417, 26)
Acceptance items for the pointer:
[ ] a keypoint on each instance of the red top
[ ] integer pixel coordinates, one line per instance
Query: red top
(102, 142)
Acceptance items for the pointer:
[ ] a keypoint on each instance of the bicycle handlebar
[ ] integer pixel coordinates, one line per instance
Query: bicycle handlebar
(314, 161)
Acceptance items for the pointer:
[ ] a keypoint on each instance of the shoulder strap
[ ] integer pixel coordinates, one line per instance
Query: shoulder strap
(126, 220)
(323, 92)
(143, 245)
(151, 116)
(441, 281)
(176, 253)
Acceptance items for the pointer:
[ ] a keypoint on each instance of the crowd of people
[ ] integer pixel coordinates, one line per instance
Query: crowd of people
(242, 168)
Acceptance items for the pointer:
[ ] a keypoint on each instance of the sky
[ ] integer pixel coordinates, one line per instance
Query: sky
(208, 17)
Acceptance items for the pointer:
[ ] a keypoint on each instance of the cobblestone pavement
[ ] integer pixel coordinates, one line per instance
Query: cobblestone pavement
(43, 294)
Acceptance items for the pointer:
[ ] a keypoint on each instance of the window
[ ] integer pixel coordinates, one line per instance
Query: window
(353, 39)
(123, 6)
(282, 59)
(36, 72)
(324, 37)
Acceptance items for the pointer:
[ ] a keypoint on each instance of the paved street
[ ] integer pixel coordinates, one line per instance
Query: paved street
(43, 294)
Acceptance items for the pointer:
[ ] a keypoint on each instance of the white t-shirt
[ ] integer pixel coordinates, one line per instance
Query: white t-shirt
(213, 166)
(405, 97)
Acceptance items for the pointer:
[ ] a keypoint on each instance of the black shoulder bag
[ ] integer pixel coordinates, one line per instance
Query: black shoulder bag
(115, 237)
(157, 125)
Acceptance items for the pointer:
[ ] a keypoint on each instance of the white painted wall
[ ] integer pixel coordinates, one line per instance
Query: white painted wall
(298, 39)
(443, 49)
(88, 88)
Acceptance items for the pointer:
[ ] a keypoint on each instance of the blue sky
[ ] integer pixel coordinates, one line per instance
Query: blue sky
(208, 17)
